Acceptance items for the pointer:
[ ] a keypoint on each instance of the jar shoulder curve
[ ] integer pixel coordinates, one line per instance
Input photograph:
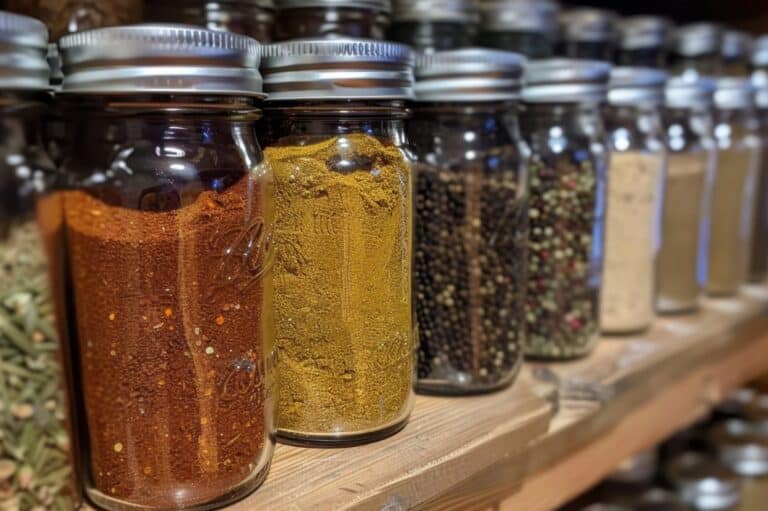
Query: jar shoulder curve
(460, 144)
(124, 160)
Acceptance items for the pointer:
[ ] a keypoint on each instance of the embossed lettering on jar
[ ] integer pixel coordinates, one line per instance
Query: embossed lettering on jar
(168, 216)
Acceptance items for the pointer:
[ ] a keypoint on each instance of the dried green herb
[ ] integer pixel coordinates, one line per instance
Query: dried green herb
(34, 464)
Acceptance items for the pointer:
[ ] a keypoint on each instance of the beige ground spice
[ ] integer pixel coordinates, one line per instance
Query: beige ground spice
(631, 241)
(728, 251)
(683, 203)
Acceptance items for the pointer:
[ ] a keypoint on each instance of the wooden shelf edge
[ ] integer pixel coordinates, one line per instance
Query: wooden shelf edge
(646, 400)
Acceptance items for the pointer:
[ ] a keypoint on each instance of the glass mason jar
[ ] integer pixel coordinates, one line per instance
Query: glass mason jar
(695, 50)
(758, 260)
(298, 19)
(703, 483)
(643, 41)
(433, 25)
(742, 446)
(588, 33)
(736, 52)
(343, 237)
(471, 220)
(253, 18)
(687, 193)
(527, 27)
(66, 16)
(561, 123)
(635, 198)
(733, 195)
(34, 408)
(168, 219)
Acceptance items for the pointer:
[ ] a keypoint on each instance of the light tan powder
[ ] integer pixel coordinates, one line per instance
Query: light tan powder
(683, 200)
(729, 232)
(631, 232)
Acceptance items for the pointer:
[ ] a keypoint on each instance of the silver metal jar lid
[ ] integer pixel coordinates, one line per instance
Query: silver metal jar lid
(337, 69)
(703, 482)
(23, 48)
(760, 51)
(588, 25)
(469, 75)
(457, 11)
(697, 39)
(537, 16)
(264, 4)
(637, 32)
(371, 5)
(565, 81)
(681, 92)
(636, 86)
(742, 446)
(734, 93)
(160, 58)
(736, 45)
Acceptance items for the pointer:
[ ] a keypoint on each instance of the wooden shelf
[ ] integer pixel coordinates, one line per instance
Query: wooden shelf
(555, 433)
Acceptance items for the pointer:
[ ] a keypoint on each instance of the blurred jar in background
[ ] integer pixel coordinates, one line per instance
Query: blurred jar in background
(735, 132)
(635, 198)
(527, 27)
(587, 33)
(643, 41)
(66, 16)
(690, 168)
(758, 266)
(703, 482)
(253, 18)
(695, 50)
(298, 19)
(736, 51)
(433, 25)
(742, 446)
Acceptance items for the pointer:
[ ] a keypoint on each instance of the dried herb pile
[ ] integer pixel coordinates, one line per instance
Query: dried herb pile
(34, 465)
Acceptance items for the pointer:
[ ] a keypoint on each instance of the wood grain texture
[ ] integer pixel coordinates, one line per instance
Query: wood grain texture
(497, 451)
(446, 441)
(630, 394)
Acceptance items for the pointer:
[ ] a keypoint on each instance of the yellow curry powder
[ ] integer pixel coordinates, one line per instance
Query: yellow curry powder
(344, 319)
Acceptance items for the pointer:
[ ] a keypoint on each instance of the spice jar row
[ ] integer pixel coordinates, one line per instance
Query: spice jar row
(211, 295)
(534, 28)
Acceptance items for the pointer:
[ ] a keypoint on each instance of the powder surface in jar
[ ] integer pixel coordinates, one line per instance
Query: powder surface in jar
(729, 227)
(631, 241)
(564, 263)
(343, 305)
(471, 230)
(684, 195)
(175, 342)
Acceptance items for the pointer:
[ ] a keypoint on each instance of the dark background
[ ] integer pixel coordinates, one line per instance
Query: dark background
(749, 15)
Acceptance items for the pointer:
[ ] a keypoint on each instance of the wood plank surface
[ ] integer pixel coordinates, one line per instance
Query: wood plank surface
(497, 451)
